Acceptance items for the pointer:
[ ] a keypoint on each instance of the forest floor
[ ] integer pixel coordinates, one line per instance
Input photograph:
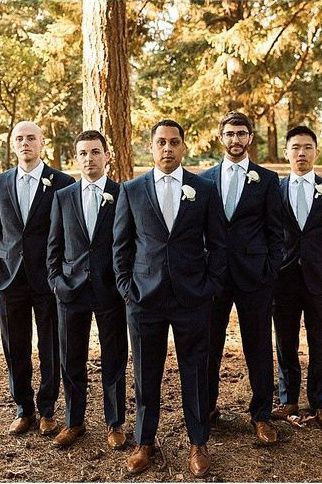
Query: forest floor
(235, 454)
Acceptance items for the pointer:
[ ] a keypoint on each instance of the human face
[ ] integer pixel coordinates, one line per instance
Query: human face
(301, 152)
(167, 148)
(27, 142)
(91, 159)
(236, 140)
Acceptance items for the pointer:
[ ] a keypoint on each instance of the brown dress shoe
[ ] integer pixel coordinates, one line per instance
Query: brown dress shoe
(68, 435)
(116, 438)
(283, 411)
(47, 426)
(21, 424)
(140, 460)
(199, 461)
(265, 432)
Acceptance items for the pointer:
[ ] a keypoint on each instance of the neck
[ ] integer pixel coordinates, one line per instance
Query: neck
(28, 166)
(235, 159)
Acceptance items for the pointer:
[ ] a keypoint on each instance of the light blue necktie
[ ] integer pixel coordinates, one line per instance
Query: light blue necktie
(25, 197)
(302, 209)
(92, 210)
(167, 209)
(231, 200)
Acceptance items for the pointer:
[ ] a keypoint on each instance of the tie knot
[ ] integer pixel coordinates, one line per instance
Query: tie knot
(235, 168)
(167, 179)
(26, 178)
(92, 187)
(300, 181)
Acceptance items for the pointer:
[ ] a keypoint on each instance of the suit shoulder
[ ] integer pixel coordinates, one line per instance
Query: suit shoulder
(64, 177)
(5, 174)
(135, 182)
(64, 191)
(199, 180)
(209, 174)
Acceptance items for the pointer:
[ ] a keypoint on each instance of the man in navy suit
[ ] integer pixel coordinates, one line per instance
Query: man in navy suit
(299, 287)
(251, 203)
(169, 255)
(26, 195)
(81, 275)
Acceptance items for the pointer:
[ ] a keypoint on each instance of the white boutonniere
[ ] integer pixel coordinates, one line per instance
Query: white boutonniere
(318, 190)
(107, 197)
(47, 182)
(252, 175)
(189, 193)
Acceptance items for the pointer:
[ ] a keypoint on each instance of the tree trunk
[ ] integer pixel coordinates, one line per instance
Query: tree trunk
(106, 96)
(272, 137)
(56, 163)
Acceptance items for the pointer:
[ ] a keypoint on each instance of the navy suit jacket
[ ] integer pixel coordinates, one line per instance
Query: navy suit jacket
(72, 259)
(147, 258)
(254, 233)
(302, 247)
(26, 243)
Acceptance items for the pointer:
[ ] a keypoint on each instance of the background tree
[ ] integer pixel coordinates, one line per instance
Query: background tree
(106, 89)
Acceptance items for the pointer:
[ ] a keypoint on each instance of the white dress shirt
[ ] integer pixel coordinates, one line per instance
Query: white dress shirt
(309, 188)
(226, 175)
(35, 176)
(176, 185)
(100, 185)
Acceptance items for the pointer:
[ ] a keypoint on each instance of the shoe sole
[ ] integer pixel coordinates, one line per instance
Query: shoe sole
(138, 471)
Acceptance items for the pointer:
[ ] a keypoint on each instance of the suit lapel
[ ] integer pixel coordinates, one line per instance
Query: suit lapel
(316, 205)
(106, 208)
(76, 196)
(12, 190)
(286, 200)
(153, 199)
(186, 180)
(40, 192)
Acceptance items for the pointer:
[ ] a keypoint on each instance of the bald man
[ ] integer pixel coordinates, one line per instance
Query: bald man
(26, 194)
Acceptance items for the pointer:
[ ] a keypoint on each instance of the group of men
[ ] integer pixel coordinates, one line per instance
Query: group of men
(166, 248)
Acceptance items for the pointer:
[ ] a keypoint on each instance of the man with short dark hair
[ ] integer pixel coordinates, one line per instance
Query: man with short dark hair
(299, 286)
(26, 195)
(81, 275)
(251, 204)
(164, 224)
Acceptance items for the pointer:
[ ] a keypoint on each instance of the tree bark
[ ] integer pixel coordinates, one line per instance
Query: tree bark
(272, 136)
(106, 90)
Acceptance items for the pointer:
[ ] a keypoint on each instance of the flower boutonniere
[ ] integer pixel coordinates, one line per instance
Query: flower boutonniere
(318, 190)
(189, 193)
(252, 175)
(47, 182)
(107, 197)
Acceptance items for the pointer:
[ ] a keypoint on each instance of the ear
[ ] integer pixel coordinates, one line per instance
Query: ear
(285, 153)
(107, 157)
(185, 148)
(251, 137)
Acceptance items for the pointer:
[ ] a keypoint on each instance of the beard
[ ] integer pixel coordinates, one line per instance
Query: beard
(236, 150)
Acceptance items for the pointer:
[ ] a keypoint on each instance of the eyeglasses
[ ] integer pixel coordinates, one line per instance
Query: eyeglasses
(242, 135)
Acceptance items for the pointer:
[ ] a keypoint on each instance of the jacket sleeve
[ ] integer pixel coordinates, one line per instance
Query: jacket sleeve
(274, 225)
(215, 239)
(124, 242)
(55, 245)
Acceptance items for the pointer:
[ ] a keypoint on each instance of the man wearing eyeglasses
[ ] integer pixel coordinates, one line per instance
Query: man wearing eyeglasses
(251, 203)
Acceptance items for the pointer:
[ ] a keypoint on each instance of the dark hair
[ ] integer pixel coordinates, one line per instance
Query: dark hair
(301, 130)
(91, 134)
(236, 119)
(168, 122)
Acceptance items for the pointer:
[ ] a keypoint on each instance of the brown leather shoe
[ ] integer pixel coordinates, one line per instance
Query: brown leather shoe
(214, 416)
(199, 461)
(283, 411)
(21, 424)
(140, 460)
(319, 416)
(265, 432)
(68, 435)
(116, 438)
(47, 426)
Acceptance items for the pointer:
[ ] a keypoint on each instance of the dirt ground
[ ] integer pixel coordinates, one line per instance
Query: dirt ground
(235, 454)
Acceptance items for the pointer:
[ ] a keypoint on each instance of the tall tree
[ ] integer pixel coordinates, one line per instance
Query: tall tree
(106, 89)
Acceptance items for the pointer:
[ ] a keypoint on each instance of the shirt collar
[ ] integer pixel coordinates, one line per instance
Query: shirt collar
(177, 174)
(309, 177)
(35, 173)
(227, 164)
(100, 183)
